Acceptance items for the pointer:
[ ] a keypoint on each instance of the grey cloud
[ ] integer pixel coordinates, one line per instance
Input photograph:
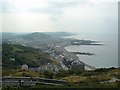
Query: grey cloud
(55, 9)
(6, 7)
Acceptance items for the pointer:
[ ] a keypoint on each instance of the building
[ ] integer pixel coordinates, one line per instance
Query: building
(24, 66)
(29, 81)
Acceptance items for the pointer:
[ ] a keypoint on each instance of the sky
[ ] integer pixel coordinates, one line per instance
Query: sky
(83, 16)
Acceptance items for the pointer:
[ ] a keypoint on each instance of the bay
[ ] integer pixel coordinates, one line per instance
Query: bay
(106, 56)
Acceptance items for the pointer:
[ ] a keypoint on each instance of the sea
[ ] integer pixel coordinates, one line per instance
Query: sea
(106, 56)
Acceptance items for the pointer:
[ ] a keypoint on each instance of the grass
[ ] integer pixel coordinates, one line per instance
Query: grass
(74, 79)
(23, 72)
(15, 49)
(24, 55)
(79, 81)
(93, 76)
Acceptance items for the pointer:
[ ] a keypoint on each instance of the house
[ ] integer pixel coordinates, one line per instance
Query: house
(24, 66)
(12, 59)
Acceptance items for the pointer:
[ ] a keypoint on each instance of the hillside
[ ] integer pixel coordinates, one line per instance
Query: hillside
(7, 36)
(95, 76)
(13, 56)
(36, 36)
(59, 34)
(86, 79)
(42, 35)
(32, 37)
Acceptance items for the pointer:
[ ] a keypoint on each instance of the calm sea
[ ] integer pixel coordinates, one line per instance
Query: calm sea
(105, 56)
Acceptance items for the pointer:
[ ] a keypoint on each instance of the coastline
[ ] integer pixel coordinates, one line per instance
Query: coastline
(87, 67)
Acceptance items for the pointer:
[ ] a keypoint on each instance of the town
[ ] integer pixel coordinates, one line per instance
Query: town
(56, 49)
(62, 68)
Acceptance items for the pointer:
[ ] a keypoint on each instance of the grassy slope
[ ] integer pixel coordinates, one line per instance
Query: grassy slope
(93, 76)
(21, 73)
(23, 55)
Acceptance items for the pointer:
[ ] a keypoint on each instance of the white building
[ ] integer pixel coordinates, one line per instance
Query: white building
(24, 66)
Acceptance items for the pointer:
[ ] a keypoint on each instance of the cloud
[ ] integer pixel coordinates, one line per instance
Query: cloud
(16, 6)
(7, 7)
(60, 15)
(98, 18)
(54, 9)
(26, 22)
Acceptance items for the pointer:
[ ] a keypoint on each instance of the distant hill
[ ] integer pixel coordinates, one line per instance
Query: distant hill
(36, 36)
(45, 35)
(13, 56)
(33, 38)
(59, 34)
(6, 36)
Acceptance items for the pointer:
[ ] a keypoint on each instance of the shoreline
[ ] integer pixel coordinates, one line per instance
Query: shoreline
(87, 67)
